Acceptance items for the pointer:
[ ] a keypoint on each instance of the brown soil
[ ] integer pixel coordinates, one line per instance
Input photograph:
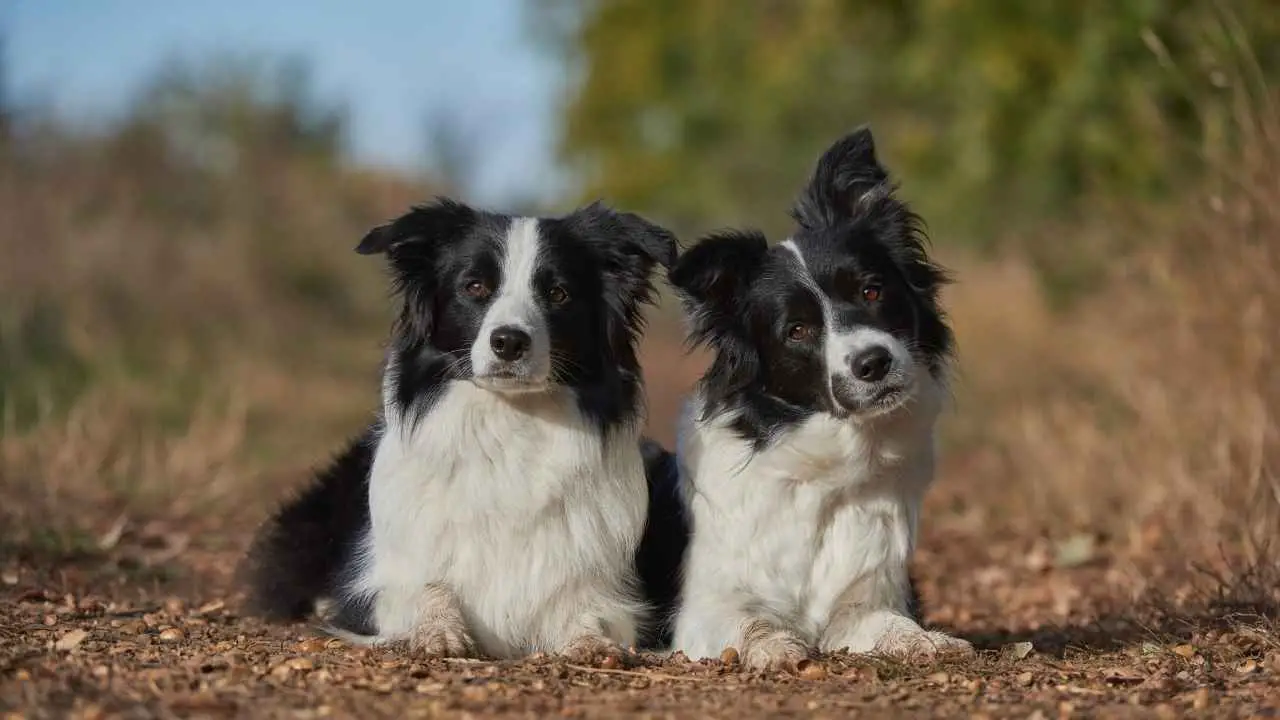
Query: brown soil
(150, 628)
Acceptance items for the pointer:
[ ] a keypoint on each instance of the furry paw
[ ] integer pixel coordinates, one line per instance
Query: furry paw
(591, 649)
(441, 639)
(923, 645)
(775, 651)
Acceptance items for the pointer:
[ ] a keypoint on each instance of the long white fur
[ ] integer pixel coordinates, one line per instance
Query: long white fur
(805, 544)
(513, 503)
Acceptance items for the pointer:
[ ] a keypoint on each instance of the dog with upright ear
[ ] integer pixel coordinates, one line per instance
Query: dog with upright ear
(807, 447)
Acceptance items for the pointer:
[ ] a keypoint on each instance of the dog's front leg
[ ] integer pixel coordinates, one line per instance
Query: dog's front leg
(762, 645)
(439, 629)
(890, 632)
(591, 637)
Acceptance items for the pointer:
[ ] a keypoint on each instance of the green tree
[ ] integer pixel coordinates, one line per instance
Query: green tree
(988, 111)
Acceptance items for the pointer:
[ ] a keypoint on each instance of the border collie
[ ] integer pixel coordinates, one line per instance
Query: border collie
(807, 446)
(496, 505)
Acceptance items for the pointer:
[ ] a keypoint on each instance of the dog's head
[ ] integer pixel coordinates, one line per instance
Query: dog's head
(518, 304)
(842, 317)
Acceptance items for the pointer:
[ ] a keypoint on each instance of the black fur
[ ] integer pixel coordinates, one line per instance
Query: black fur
(298, 554)
(604, 259)
(666, 535)
(742, 295)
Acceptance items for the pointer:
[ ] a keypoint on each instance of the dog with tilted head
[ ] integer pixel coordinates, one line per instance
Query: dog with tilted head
(496, 505)
(806, 448)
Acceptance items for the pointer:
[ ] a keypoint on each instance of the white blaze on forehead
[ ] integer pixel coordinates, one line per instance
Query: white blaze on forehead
(515, 301)
(518, 265)
(840, 345)
(830, 351)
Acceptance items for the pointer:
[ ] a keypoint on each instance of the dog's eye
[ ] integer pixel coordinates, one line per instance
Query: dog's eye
(558, 295)
(799, 332)
(477, 289)
(871, 292)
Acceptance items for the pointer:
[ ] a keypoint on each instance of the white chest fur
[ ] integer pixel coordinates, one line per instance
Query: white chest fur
(809, 537)
(520, 507)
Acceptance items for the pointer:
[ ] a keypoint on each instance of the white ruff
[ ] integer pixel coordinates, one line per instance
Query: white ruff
(520, 507)
(808, 538)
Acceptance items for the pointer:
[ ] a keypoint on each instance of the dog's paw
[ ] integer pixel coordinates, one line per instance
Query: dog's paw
(591, 650)
(775, 651)
(441, 639)
(923, 645)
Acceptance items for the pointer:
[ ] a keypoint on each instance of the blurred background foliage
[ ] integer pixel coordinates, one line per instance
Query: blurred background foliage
(183, 325)
(993, 114)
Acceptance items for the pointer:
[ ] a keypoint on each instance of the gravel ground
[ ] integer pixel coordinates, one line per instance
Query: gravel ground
(150, 628)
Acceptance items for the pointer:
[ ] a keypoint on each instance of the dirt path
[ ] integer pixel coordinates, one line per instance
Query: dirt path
(150, 629)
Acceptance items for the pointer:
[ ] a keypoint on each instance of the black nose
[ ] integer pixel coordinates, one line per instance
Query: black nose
(872, 364)
(509, 343)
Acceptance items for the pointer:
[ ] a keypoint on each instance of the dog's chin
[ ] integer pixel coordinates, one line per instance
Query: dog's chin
(512, 384)
(871, 404)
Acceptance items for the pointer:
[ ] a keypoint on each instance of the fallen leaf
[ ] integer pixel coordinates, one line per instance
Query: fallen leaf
(112, 536)
(1186, 651)
(1074, 551)
(71, 640)
(1202, 699)
(813, 671)
(209, 607)
(1018, 650)
(1246, 667)
(1122, 676)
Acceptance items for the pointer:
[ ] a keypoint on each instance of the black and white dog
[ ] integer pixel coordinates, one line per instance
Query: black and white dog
(497, 504)
(809, 442)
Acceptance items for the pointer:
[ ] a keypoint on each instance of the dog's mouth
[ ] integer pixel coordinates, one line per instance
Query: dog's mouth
(863, 403)
(510, 382)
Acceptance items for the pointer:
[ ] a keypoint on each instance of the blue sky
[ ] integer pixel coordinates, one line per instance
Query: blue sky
(393, 61)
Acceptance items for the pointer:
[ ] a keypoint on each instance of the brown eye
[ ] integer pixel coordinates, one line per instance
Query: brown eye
(871, 292)
(798, 332)
(558, 295)
(477, 289)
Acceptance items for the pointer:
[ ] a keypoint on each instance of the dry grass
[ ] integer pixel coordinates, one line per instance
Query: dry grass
(178, 346)
(1148, 411)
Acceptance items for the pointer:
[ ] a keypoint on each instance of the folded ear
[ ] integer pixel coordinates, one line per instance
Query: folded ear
(712, 279)
(424, 223)
(410, 243)
(629, 245)
(712, 276)
(847, 176)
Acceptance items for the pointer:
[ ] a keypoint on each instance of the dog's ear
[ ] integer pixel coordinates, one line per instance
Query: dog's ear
(426, 224)
(847, 176)
(712, 279)
(629, 247)
(712, 275)
(410, 243)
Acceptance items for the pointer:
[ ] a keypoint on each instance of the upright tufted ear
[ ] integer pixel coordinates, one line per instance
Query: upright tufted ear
(847, 175)
(712, 279)
(411, 243)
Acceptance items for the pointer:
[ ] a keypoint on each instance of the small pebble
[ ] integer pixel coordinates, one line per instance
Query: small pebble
(729, 656)
(170, 635)
(813, 671)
